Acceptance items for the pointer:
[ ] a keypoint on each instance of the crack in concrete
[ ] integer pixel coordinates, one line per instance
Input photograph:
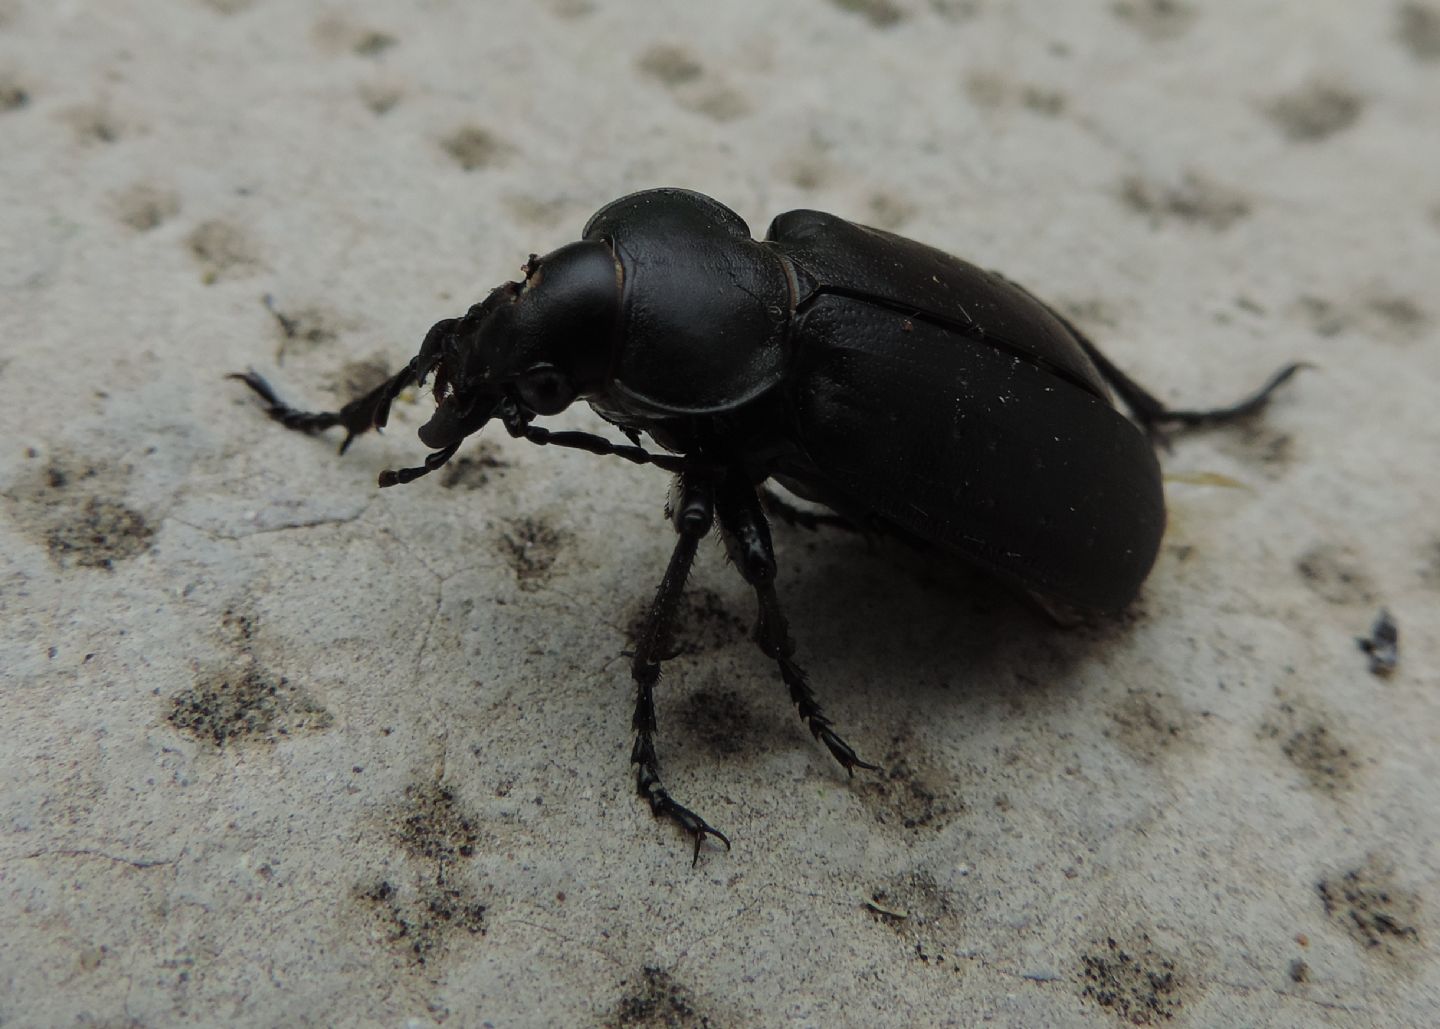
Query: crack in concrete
(140, 863)
(219, 534)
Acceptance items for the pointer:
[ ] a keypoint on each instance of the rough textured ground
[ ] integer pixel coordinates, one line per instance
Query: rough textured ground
(281, 749)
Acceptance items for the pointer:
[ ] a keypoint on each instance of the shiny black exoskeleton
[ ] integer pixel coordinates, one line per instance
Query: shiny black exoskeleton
(911, 393)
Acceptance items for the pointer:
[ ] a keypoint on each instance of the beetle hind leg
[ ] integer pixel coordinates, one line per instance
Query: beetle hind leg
(1152, 413)
(1219, 415)
(747, 540)
(693, 516)
(804, 700)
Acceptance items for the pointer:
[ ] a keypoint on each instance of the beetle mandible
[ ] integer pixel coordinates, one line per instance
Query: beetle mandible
(911, 393)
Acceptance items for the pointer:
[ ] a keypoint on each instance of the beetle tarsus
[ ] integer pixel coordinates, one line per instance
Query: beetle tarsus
(432, 462)
(662, 805)
(1249, 406)
(804, 700)
(694, 514)
(366, 412)
(1151, 412)
(747, 541)
(309, 422)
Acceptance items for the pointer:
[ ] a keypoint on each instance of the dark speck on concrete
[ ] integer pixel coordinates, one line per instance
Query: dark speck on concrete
(373, 43)
(77, 511)
(432, 825)
(670, 65)
(1372, 908)
(246, 704)
(474, 148)
(13, 95)
(656, 1000)
(1133, 981)
(1419, 31)
(1195, 199)
(1383, 644)
(1328, 763)
(474, 470)
(1156, 20)
(1315, 112)
(1335, 573)
(879, 13)
(531, 546)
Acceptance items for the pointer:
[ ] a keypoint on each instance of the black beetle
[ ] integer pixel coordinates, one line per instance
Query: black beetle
(909, 392)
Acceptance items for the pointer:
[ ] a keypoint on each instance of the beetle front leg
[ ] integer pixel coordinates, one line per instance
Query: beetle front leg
(359, 416)
(747, 540)
(364, 413)
(693, 516)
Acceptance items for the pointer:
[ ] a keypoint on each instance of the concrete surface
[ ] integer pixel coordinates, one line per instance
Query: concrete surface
(280, 749)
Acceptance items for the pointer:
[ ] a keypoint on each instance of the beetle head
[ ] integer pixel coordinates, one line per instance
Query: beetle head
(537, 344)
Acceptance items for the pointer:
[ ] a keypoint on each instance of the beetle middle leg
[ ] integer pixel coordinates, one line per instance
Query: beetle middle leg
(746, 532)
(693, 516)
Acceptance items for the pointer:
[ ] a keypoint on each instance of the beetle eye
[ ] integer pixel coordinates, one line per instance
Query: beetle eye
(545, 389)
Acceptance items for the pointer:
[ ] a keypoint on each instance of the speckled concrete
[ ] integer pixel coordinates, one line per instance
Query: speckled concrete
(280, 749)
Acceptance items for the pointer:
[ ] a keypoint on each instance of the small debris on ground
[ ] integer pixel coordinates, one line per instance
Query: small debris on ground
(1383, 644)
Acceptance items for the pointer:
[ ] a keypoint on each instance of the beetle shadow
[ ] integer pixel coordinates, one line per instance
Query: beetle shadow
(925, 623)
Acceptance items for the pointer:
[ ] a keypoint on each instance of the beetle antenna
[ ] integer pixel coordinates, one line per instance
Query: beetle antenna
(399, 478)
